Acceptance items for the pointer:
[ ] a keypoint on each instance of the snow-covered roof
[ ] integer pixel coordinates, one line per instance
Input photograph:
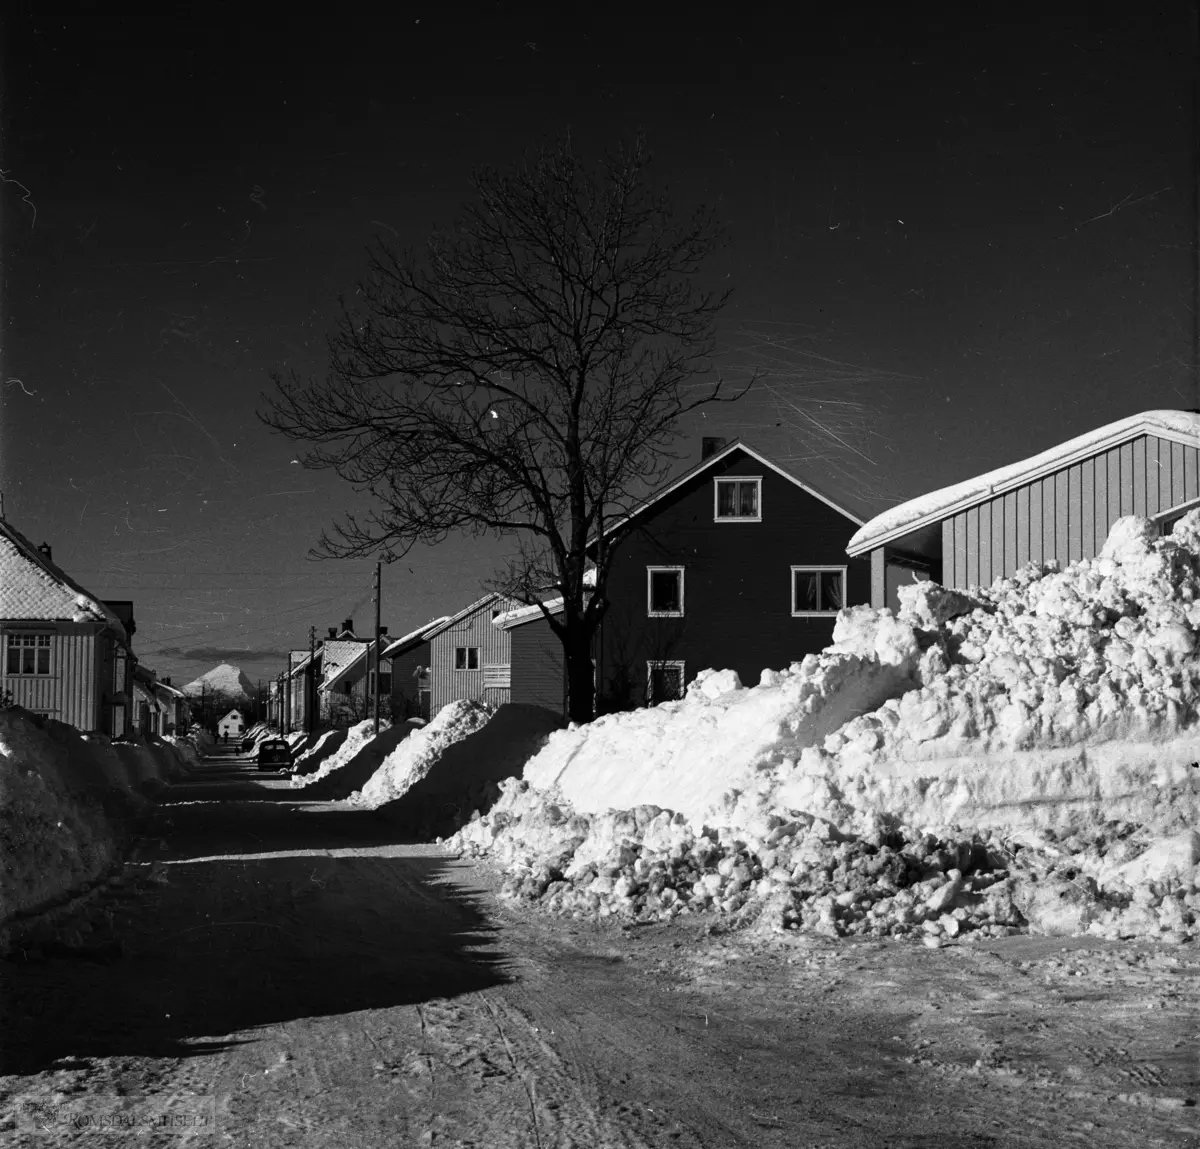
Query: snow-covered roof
(511, 618)
(33, 587)
(337, 673)
(712, 461)
(1177, 426)
(450, 621)
(396, 645)
(337, 655)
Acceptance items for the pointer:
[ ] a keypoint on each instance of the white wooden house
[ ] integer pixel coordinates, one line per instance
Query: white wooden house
(66, 653)
(232, 725)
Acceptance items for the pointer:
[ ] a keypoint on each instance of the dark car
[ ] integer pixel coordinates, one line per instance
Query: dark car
(247, 745)
(274, 754)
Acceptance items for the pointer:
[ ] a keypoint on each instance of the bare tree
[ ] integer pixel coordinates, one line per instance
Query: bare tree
(524, 378)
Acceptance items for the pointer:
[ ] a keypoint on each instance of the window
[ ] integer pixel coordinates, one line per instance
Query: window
(118, 671)
(1167, 520)
(818, 590)
(28, 654)
(738, 500)
(664, 681)
(466, 658)
(664, 592)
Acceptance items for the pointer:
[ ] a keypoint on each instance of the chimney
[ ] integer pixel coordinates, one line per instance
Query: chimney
(333, 632)
(44, 548)
(166, 680)
(383, 630)
(710, 445)
(348, 625)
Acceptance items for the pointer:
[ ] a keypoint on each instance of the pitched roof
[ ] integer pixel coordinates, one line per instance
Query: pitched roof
(338, 672)
(448, 622)
(336, 655)
(33, 587)
(399, 645)
(1177, 426)
(511, 618)
(712, 461)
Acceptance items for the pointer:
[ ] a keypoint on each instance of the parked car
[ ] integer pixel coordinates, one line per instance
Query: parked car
(247, 745)
(274, 754)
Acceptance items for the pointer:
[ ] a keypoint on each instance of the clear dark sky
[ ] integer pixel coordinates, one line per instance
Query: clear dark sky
(977, 233)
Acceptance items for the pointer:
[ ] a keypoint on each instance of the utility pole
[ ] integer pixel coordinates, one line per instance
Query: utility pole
(310, 678)
(378, 588)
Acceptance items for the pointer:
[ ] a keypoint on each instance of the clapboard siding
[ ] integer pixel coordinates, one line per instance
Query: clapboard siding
(1067, 515)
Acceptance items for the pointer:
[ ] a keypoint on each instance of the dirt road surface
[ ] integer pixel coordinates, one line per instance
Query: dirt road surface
(275, 972)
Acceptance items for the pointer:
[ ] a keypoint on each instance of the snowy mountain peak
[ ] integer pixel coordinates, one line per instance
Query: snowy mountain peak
(224, 679)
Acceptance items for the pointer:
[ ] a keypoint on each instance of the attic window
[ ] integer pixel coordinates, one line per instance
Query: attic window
(737, 500)
(28, 654)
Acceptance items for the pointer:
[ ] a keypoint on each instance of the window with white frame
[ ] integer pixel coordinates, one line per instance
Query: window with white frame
(28, 654)
(818, 590)
(737, 500)
(664, 592)
(466, 658)
(664, 680)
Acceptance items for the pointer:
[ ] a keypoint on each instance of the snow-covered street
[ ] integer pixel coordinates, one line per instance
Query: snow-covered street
(276, 968)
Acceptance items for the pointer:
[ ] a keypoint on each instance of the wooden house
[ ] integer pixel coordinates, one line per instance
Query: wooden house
(538, 669)
(66, 653)
(1057, 505)
(348, 685)
(736, 564)
(174, 713)
(232, 725)
(468, 656)
(411, 678)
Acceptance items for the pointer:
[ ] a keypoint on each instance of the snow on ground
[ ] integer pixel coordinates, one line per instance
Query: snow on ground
(455, 761)
(326, 745)
(66, 801)
(1017, 757)
(355, 760)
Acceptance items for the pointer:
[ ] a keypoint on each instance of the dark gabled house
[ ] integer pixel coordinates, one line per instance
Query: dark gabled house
(736, 564)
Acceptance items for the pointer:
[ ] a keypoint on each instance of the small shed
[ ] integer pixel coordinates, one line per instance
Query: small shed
(1057, 505)
(231, 725)
(538, 670)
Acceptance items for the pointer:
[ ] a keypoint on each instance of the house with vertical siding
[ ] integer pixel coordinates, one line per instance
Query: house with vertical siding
(538, 668)
(739, 563)
(469, 657)
(66, 653)
(174, 713)
(1057, 505)
(411, 678)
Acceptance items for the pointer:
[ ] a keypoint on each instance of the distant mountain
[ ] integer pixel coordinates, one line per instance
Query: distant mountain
(224, 679)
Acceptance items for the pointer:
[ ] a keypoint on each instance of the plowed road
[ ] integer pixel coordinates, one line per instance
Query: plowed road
(279, 973)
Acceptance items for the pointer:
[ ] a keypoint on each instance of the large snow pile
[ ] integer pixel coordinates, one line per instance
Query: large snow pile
(310, 760)
(66, 803)
(984, 761)
(354, 761)
(453, 764)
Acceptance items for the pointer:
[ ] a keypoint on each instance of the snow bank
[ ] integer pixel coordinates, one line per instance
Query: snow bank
(327, 744)
(355, 760)
(66, 801)
(685, 755)
(457, 757)
(1011, 751)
